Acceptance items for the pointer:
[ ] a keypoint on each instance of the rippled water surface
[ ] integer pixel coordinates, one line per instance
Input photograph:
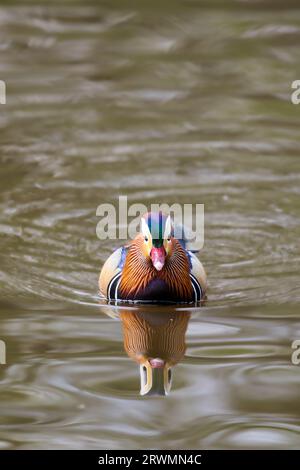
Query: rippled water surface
(165, 102)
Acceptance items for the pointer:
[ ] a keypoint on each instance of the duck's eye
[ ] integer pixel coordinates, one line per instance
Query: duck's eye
(146, 239)
(169, 239)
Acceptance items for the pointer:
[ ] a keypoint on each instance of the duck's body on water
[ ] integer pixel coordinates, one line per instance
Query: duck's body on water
(155, 267)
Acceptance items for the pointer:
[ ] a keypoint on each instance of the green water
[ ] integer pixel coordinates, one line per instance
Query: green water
(163, 102)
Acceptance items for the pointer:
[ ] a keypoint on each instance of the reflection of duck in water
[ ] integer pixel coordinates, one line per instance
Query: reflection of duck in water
(155, 267)
(156, 340)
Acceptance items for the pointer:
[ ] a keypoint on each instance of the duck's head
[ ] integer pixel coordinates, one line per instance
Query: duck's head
(156, 260)
(157, 232)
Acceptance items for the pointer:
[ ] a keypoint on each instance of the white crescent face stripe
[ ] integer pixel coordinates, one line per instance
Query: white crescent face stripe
(112, 290)
(145, 229)
(168, 228)
(197, 288)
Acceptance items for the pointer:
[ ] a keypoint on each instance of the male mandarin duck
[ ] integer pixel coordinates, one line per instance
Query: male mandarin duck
(155, 267)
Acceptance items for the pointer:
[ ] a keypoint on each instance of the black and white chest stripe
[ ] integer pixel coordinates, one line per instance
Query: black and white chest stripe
(113, 286)
(112, 290)
(198, 293)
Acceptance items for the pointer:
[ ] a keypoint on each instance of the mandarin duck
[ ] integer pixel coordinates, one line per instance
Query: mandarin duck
(156, 341)
(155, 267)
